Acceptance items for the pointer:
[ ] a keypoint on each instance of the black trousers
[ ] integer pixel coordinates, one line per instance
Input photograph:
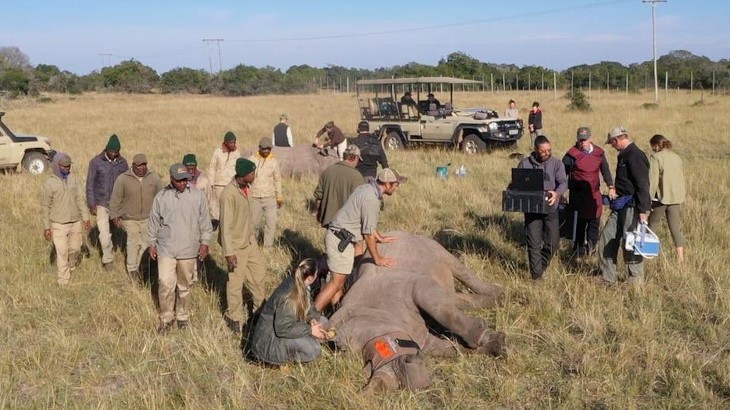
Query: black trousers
(586, 231)
(543, 239)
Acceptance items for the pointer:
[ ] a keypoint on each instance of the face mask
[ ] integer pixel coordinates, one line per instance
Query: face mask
(64, 173)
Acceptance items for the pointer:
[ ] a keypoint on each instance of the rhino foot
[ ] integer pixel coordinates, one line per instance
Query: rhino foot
(493, 344)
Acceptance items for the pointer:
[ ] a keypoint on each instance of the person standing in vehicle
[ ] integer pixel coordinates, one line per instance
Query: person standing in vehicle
(221, 170)
(371, 152)
(130, 206)
(512, 111)
(667, 190)
(103, 171)
(65, 216)
(282, 135)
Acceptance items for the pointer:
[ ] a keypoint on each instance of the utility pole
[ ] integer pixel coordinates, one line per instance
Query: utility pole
(108, 59)
(653, 44)
(210, 61)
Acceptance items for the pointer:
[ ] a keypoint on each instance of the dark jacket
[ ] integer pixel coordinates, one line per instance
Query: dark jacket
(101, 177)
(554, 178)
(372, 154)
(535, 119)
(278, 322)
(632, 176)
(583, 171)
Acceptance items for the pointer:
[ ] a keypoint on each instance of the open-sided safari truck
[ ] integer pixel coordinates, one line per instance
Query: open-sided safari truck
(32, 152)
(423, 121)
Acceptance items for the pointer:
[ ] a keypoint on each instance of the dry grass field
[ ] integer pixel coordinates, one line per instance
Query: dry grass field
(572, 344)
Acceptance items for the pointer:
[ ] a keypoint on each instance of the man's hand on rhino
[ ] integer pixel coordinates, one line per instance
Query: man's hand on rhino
(384, 261)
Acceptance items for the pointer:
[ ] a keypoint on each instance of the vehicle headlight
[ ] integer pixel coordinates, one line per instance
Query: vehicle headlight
(493, 126)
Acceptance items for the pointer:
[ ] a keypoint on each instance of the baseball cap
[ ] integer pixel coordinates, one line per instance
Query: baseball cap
(615, 133)
(583, 133)
(179, 172)
(391, 175)
(265, 142)
(139, 159)
(353, 149)
(64, 161)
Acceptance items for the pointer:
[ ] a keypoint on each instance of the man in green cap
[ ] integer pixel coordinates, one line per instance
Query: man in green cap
(103, 171)
(221, 170)
(63, 212)
(130, 206)
(246, 266)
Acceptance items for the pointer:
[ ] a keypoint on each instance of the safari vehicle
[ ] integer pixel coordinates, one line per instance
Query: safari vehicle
(33, 153)
(399, 125)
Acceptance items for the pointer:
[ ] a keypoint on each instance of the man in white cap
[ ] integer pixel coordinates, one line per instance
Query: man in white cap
(179, 234)
(630, 205)
(356, 221)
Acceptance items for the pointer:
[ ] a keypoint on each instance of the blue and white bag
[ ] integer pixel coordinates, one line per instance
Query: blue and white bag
(642, 242)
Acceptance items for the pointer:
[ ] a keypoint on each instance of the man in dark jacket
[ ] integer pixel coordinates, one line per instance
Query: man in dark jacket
(632, 188)
(371, 152)
(103, 171)
(543, 230)
(583, 164)
(534, 121)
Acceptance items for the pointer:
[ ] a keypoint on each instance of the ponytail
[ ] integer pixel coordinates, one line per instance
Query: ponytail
(299, 295)
(660, 141)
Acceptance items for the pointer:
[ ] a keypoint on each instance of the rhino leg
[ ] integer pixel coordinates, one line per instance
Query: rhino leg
(439, 346)
(474, 301)
(491, 295)
(383, 379)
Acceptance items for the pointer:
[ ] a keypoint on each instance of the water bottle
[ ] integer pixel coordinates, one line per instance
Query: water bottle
(461, 172)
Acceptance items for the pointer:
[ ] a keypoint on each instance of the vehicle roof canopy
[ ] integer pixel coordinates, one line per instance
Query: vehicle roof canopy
(417, 80)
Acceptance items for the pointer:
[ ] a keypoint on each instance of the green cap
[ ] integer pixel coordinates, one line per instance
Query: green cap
(229, 137)
(189, 159)
(244, 167)
(113, 143)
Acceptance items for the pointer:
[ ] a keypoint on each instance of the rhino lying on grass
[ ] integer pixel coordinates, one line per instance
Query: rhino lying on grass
(381, 313)
(303, 160)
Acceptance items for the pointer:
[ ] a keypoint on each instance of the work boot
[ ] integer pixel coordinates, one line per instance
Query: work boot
(183, 324)
(109, 266)
(135, 277)
(233, 325)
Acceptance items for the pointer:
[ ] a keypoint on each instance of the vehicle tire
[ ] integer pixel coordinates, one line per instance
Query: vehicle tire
(392, 142)
(35, 163)
(472, 144)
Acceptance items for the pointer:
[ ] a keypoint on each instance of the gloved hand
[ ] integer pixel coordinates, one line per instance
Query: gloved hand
(215, 223)
(279, 201)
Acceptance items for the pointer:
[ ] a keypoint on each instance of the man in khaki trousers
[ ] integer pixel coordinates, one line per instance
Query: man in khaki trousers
(266, 193)
(236, 235)
(64, 209)
(220, 172)
(179, 234)
(129, 207)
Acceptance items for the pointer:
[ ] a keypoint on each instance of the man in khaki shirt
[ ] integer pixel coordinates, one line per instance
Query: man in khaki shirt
(246, 266)
(221, 171)
(64, 209)
(130, 206)
(266, 197)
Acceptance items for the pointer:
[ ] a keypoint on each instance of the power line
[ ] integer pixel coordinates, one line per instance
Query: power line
(108, 59)
(210, 61)
(438, 26)
(653, 44)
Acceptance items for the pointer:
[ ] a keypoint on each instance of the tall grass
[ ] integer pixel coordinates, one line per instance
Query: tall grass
(93, 343)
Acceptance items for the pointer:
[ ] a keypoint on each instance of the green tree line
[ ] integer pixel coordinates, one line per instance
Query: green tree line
(685, 70)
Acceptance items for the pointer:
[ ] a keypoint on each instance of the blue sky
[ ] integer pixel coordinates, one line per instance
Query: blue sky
(167, 34)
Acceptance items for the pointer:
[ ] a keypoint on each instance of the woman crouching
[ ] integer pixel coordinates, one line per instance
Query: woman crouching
(289, 328)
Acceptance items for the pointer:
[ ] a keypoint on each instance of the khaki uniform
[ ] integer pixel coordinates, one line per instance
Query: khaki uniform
(201, 182)
(264, 192)
(64, 207)
(236, 237)
(221, 170)
(131, 201)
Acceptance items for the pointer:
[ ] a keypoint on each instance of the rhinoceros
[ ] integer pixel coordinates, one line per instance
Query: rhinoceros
(381, 313)
(303, 160)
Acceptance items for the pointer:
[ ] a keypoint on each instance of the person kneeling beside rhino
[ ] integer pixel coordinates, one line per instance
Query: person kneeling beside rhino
(381, 313)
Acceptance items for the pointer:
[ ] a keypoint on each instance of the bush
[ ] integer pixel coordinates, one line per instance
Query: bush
(579, 101)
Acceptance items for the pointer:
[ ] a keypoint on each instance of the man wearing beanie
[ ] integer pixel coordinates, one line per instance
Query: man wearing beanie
(221, 171)
(130, 206)
(63, 212)
(178, 237)
(236, 236)
(266, 196)
(103, 171)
